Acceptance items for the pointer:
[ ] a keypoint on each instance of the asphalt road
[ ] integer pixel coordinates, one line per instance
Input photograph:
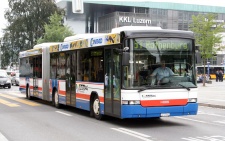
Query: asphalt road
(37, 120)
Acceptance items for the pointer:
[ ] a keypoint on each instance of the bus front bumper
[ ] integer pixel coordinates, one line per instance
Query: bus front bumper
(137, 111)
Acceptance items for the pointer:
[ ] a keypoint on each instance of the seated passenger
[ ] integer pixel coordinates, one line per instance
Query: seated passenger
(162, 72)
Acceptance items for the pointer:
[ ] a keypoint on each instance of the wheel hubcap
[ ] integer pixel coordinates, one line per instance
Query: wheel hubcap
(28, 92)
(96, 107)
(56, 98)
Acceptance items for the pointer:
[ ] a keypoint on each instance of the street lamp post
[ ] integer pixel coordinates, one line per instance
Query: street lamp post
(208, 68)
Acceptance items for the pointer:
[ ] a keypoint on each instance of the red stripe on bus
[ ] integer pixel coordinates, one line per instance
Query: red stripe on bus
(83, 96)
(165, 102)
(101, 99)
(62, 92)
(22, 86)
(87, 97)
(40, 88)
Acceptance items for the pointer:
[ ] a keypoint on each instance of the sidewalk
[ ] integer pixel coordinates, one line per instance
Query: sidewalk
(212, 95)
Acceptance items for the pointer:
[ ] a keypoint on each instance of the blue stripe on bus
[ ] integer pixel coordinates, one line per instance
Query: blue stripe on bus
(54, 83)
(62, 99)
(137, 111)
(40, 94)
(22, 90)
(85, 105)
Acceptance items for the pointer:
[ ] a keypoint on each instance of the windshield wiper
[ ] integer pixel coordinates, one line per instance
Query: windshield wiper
(185, 87)
(145, 88)
(142, 89)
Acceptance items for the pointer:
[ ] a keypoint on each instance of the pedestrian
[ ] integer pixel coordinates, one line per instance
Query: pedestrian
(221, 76)
(217, 75)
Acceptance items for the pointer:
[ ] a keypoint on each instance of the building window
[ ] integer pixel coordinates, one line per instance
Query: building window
(140, 10)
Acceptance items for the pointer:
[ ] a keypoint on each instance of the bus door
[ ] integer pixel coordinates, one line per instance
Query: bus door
(37, 68)
(70, 79)
(112, 95)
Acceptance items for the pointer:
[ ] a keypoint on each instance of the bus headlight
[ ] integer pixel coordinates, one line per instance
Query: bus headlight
(130, 102)
(192, 100)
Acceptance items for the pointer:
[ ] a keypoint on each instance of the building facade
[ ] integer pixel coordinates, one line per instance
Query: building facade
(99, 16)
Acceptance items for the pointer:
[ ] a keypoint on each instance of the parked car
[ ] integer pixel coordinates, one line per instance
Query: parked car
(15, 79)
(5, 80)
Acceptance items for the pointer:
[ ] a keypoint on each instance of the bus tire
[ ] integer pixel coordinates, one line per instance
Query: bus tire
(56, 99)
(96, 108)
(28, 94)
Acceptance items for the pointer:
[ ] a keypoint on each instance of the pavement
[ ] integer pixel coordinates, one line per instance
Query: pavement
(212, 95)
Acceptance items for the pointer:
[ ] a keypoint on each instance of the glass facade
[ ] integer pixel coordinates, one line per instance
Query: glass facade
(166, 19)
(101, 18)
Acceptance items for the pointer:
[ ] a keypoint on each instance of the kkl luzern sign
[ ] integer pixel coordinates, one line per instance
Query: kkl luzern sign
(125, 19)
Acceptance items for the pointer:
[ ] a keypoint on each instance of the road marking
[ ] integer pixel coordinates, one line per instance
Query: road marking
(16, 94)
(205, 138)
(211, 114)
(2, 137)
(223, 122)
(213, 99)
(63, 113)
(133, 133)
(191, 119)
(20, 100)
(200, 121)
(8, 104)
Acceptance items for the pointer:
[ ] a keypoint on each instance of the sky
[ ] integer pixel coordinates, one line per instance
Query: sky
(4, 5)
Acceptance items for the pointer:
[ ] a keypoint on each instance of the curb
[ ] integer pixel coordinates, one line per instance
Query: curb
(212, 105)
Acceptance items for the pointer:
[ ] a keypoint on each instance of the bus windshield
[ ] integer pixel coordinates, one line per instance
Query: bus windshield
(150, 58)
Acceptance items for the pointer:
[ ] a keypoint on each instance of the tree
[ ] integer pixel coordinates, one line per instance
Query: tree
(207, 36)
(26, 20)
(55, 31)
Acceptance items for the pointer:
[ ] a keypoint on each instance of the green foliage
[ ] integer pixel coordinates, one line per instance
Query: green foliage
(55, 31)
(206, 31)
(26, 20)
(207, 36)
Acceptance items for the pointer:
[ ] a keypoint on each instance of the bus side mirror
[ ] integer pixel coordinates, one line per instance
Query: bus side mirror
(126, 59)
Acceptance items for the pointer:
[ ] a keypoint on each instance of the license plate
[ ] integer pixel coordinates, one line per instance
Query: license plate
(165, 114)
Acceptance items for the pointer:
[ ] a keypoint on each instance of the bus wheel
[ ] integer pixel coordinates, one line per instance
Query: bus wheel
(28, 94)
(56, 99)
(96, 108)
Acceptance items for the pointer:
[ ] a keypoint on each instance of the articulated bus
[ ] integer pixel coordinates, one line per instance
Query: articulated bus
(212, 70)
(110, 74)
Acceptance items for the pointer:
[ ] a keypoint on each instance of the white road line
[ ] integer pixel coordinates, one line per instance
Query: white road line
(204, 113)
(132, 133)
(198, 121)
(2, 137)
(223, 122)
(63, 113)
(191, 119)
(212, 114)
(140, 134)
(213, 99)
(16, 94)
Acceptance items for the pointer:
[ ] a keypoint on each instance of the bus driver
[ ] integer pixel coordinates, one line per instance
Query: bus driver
(162, 72)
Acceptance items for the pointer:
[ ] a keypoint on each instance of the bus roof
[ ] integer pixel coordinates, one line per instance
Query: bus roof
(43, 45)
(37, 49)
(133, 28)
(165, 33)
(83, 36)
